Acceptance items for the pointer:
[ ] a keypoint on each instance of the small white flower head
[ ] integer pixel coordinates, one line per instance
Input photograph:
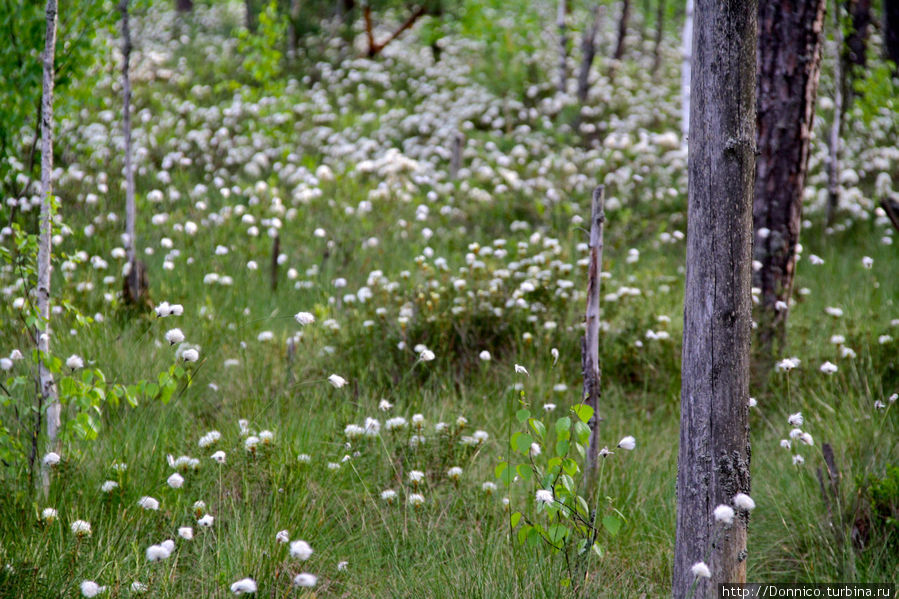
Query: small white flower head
(785, 443)
(488, 487)
(307, 580)
(148, 503)
(752, 402)
(282, 536)
(867, 261)
(628, 443)
(49, 514)
(244, 425)
(244, 586)
(81, 528)
(337, 380)
(219, 456)
(89, 588)
(206, 521)
(388, 495)
(353, 431)
(186, 533)
(395, 423)
(75, 362)
(724, 513)
(51, 459)
(426, 355)
(544, 496)
(534, 450)
(300, 550)
(169, 544)
(807, 439)
(795, 433)
(796, 419)
(798, 460)
(700, 570)
(416, 477)
(175, 481)
(163, 310)
(304, 458)
(519, 369)
(342, 566)
(605, 452)
(250, 443)
(174, 336)
(480, 436)
(554, 352)
(157, 553)
(6, 364)
(109, 486)
(199, 507)
(333, 466)
(138, 587)
(372, 427)
(454, 473)
(484, 356)
(787, 364)
(190, 355)
(461, 421)
(209, 438)
(384, 405)
(266, 437)
(549, 407)
(304, 318)
(744, 502)
(828, 367)
(418, 420)
(416, 500)
(879, 405)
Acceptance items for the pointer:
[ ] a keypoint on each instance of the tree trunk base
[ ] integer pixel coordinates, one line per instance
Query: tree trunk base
(136, 286)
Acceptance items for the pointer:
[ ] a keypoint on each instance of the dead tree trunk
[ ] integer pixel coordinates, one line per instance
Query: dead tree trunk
(660, 31)
(588, 53)
(836, 126)
(685, 73)
(789, 60)
(891, 32)
(48, 394)
(622, 28)
(135, 284)
(713, 461)
(563, 47)
(590, 349)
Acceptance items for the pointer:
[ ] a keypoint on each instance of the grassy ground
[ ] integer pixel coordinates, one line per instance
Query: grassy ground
(512, 285)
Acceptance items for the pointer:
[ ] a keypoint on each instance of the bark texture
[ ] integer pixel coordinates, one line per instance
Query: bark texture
(713, 460)
(48, 394)
(686, 72)
(590, 350)
(789, 60)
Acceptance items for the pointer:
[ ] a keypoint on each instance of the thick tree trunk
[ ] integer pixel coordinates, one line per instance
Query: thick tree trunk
(588, 53)
(563, 47)
(660, 31)
(713, 461)
(590, 350)
(184, 5)
(789, 60)
(48, 394)
(685, 72)
(891, 32)
(855, 50)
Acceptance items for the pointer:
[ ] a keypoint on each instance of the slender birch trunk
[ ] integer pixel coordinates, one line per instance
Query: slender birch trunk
(713, 458)
(836, 126)
(48, 394)
(563, 47)
(590, 350)
(660, 32)
(130, 241)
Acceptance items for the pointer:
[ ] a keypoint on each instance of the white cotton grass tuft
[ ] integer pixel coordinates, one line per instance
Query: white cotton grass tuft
(796, 419)
(138, 587)
(337, 380)
(190, 355)
(484, 356)
(700, 570)
(628, 443)
(174, 336)
(304, 318)
(186, 533)
(75, 362)
(744, 502)
(49, 515)
(342, 566)
(519, 369)
(81, 528)
(724, 513)
(175, 481)
(416, 500)
(89, 588)
(282, 536)
(219, 456)
(148, 503)
(51, 459)
(300, 550)
(156, 553)
(244, 586)
(306, 580)
(206, 521)
(828, 368)
(544, 496)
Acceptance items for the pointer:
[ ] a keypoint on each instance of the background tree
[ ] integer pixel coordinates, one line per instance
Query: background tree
(891, 32)
(789, 60)
(713, 460)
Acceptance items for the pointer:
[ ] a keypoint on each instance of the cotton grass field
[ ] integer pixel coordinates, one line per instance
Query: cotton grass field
(326, 415)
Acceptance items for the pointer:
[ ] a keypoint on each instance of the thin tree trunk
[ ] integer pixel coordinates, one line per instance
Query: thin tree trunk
(276, 251)
(713, 460)
(660, 31)
(456, 154)
(622, 28)
(375, 48)
(47, 386)
(685, 73)
(891, 32)
(250, 16)
(836, 127)
(789, 59)
(590, 349)
(588, 52)
(563, 47)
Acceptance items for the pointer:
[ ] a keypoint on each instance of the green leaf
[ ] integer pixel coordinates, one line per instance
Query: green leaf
(534, 537)
(538, 426)
(563, 424)
(562, 447)
(524, 471)
(522, 415)
(583, 412)
(597, 549)
(522, 442)
(514, 519)
(523, 533)
(569, 466)
(567, 482)
(581, 432)
(504, 473)
(557, 533)
(612, 523)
